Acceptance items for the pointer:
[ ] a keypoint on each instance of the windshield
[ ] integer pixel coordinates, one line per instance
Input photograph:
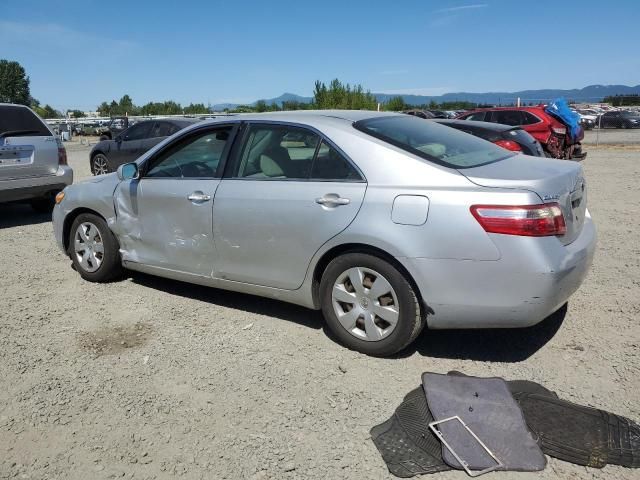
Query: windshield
(436, 143)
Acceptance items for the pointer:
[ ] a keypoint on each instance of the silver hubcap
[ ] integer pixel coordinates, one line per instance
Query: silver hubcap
(100, 166)
(88, 247)
(365, 303)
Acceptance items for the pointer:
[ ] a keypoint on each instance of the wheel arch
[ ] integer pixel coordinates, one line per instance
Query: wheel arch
(97, 152)
(343, 249)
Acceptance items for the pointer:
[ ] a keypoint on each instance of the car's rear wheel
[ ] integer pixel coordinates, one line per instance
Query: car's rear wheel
(369, 305)
(94, 249)
(100, 164)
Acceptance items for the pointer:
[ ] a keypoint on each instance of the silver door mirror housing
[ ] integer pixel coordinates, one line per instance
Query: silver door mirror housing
(128, 171)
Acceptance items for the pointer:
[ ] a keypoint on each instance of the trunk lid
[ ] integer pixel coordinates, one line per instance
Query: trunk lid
(554, 181)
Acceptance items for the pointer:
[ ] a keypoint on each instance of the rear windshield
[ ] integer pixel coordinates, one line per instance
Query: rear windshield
(20, 121)
(436, 143)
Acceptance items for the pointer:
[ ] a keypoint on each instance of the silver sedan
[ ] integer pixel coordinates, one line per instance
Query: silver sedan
(385, 222)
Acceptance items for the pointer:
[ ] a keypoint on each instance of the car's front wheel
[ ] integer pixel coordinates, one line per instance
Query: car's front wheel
(369, 304)
(100, 164)
(94, 249)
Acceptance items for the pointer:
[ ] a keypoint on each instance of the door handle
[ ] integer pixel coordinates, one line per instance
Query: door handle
(332, 200)
(199, 197)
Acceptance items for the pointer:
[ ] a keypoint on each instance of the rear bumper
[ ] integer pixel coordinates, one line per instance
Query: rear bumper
(35, 187)
(506, 293)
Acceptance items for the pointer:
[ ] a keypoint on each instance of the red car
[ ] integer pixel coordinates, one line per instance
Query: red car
(549, 131)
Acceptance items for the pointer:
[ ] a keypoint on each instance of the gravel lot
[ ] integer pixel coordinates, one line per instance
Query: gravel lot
(151, 378)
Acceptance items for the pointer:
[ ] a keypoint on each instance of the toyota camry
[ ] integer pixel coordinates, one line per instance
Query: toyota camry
(386, 222)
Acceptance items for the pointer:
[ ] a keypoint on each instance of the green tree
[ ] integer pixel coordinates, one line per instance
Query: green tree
(77, 114)
(395, 104)
(14, 83)
(261, 106)
(125, 106)
(104, 109)
(47, 111)
(341, 96)
(196, 108)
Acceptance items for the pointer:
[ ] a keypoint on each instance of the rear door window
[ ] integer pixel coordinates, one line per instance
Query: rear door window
(507, 117)
(162, 129)
(478, 116)
(138, 131)
(330, 164)
(20, 121)
(529, 118)
(277, 152)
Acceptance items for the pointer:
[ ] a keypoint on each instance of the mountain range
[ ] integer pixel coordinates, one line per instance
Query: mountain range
(591, 93)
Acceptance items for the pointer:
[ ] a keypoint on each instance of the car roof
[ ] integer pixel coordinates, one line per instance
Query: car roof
(536, 108)
(309, 117)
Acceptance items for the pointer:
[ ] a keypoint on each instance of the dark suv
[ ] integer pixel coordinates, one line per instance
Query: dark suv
(108, 155)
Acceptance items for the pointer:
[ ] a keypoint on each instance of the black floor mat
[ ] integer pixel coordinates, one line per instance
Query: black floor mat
(406, 443)
(581, 435)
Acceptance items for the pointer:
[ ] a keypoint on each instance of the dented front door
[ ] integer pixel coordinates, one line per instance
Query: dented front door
(167, 223)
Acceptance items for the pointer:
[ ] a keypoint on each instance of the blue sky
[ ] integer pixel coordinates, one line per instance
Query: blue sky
(79, 53)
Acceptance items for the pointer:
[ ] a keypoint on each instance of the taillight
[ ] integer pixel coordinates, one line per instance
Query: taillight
(62, 156)
(525, 220)
(559, 130)
(509, 145)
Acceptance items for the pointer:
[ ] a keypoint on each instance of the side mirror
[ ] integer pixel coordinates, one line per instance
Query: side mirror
(128, 171)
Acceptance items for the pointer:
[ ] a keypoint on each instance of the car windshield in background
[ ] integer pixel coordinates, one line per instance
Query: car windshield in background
(433, 142)
(20, 121)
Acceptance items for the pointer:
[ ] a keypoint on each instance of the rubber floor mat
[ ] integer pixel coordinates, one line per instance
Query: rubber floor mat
(487, 407)
(406, 443)
(581, 435)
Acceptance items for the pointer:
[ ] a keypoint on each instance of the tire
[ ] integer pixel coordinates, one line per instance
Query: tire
(43, 204)
(100, 164)
(376, 337)
(100, 266)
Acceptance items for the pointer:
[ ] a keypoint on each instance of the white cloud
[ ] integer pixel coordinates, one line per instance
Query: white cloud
(48, 36)
(462, 7)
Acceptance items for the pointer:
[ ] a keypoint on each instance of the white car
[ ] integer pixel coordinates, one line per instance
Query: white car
(33, 161)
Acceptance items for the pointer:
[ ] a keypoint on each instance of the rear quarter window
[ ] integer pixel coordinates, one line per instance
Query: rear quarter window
(22, 121)
(433, 142)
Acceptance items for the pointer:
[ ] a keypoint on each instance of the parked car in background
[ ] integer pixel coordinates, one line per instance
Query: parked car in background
(419, 113)
(115, 126)
(33, 161)
(505, 136)
(552, 134)
(384, 221)
(620, 119)
(438, 113)
(107, 155)
(89, 129)
(588, 114)
(586, 121)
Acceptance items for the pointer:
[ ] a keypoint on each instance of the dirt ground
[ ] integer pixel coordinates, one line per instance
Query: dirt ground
(149, 378)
